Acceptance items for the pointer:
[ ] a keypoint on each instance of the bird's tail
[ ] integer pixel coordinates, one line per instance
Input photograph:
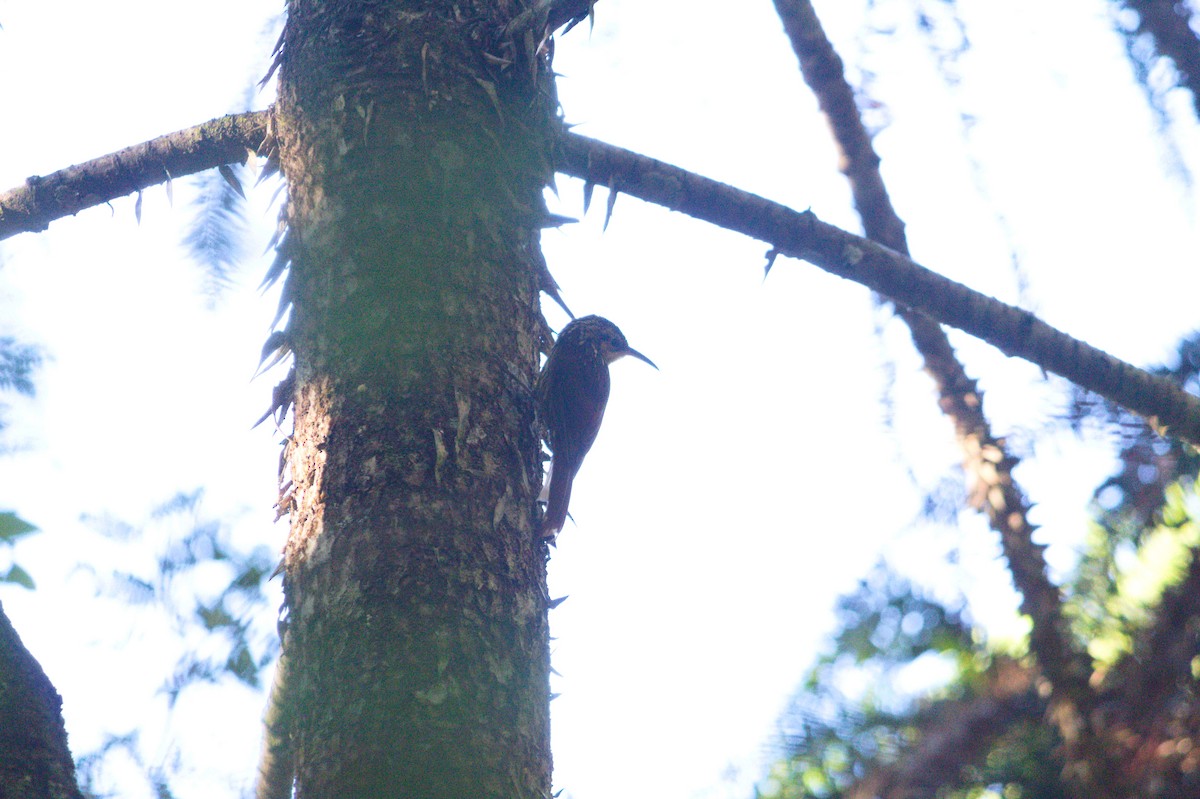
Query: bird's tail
(559, 498)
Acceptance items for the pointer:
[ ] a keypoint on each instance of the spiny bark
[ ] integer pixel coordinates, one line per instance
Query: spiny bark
(415, 146)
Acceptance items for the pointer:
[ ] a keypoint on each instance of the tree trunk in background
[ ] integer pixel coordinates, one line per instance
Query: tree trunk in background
(415, 584)
(35, 762)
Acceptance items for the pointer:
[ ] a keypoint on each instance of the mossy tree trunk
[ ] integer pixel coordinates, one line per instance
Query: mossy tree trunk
(415, 140)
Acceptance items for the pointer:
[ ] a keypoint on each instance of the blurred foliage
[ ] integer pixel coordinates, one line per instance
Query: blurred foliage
(18, 362)
(1130, 500)
(17, 365)
(904, 666)
(1020, 764)
(849, 714)
(1119, 581)
(13, 527)
(182, 566)
(217, 237)
(206, 585)
(90, 768)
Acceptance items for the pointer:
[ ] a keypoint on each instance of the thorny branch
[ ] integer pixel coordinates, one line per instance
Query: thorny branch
(802, 235)
(1168, 23)
(985, 457)
(41, 200)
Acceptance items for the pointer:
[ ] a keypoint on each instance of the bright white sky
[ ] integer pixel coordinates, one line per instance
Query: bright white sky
(732, 495)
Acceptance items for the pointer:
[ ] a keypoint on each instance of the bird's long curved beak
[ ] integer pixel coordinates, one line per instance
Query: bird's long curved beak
(640, 357)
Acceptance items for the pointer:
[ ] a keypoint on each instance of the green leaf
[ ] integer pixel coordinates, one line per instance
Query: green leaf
(13, 527)
(1175, 510)
(19, 576)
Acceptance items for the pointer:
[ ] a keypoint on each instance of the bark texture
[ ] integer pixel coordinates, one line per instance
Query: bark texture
(35, 762)
(414, 137)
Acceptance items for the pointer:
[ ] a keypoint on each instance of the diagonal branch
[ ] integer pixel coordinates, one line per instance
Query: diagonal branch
(802, 235)
(1169, 25)
(824, 73)
(33, 206)
(985, 458)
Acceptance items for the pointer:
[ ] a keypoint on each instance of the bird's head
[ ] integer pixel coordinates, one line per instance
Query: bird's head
(607, 338)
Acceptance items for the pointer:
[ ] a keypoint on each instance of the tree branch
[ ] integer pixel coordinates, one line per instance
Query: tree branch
(985, 457)
(1168, 23)
(802, 235)
(33, 206)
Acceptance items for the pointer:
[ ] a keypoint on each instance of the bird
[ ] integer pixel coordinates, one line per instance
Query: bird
(571, 393)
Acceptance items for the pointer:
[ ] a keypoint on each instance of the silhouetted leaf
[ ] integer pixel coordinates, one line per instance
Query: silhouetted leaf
(19, 576)
(217, 236)
(13, 527)
(17, 364)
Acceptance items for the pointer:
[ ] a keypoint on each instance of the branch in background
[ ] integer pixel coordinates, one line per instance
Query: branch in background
(1168, 24)
(986, 460)
(824, 73)
(42, 200)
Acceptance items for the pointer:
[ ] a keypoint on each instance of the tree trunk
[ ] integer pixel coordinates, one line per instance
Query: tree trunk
(415, 140)
(35, 762)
